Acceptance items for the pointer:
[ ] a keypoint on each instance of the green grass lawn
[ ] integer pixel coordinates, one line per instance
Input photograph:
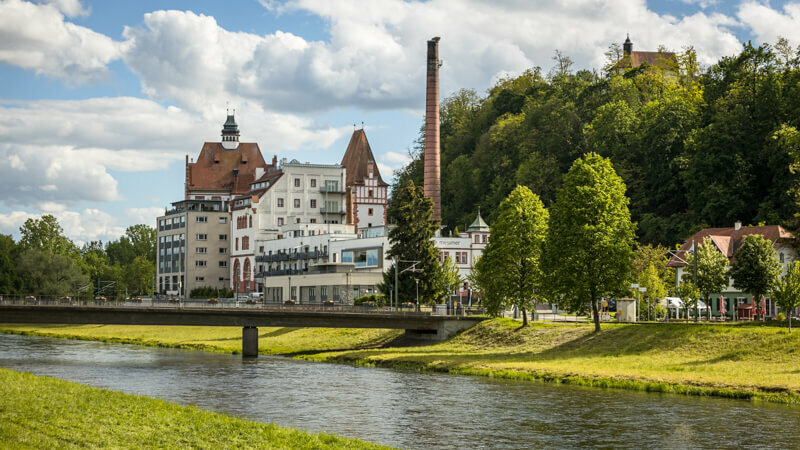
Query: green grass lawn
(271, 341)
(42, 412)
(731, 360)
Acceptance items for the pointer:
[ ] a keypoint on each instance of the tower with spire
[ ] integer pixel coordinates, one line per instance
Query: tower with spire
(230, 132)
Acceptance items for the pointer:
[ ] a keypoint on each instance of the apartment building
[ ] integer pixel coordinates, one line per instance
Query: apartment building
(192, 247)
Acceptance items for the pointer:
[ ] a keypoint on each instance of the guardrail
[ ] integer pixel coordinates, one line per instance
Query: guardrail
(227, 304)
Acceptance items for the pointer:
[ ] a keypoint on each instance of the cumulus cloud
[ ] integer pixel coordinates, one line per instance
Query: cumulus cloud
(146, 216)
(62, 151)
(375, 55)
(80, 226)
(36, 37)
(768, 24)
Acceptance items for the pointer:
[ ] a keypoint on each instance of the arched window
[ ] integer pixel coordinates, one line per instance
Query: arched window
(251, 221)
(246, 274)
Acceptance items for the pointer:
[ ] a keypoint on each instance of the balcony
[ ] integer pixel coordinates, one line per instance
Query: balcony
(331, 190)
(278, 273)
(272, 258)
(325, 210)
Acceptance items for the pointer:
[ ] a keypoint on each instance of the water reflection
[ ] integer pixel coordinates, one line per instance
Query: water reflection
(406, 409)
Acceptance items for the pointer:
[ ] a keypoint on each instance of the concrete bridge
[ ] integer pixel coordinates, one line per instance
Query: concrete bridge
(416, 324)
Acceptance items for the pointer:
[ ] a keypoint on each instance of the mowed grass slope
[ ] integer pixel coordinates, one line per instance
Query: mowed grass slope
(271, 341)
(42, 412)
(741, 361)
(731, 360)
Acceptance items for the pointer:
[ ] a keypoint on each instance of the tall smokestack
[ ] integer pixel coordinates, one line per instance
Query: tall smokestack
(432, 183)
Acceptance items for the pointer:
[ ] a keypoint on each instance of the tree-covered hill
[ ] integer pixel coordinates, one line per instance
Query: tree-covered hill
(695, 147)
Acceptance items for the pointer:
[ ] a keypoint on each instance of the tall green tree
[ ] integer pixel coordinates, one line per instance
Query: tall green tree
(509, 271)
(410, 212)
(588, 251)
(45, 234)
(10, 283)
(49, 274)
(656, 288)
(786, 292)
(143, 241)
(756, 268)
(712, 270)
(687, 291)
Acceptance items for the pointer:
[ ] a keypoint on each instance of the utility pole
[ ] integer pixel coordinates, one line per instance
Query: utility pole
(697, 301)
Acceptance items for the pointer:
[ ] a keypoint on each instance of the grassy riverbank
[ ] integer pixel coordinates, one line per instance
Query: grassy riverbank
(42, 412)
(736, 361)
(271, 341)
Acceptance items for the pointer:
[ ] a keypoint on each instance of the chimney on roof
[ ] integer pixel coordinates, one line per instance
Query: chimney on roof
(431, 171)
(737, 226)
(627, 47)
(274, 160)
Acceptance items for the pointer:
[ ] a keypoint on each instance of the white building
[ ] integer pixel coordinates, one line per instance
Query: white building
(293, 200)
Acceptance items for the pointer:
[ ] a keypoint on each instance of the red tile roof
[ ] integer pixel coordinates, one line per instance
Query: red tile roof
(357, 158)
(727, 240)
(214, 168)
(662, 60)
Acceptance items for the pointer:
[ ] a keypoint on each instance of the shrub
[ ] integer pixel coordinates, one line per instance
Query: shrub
(210, 292)
(377, 299)
(780, 317)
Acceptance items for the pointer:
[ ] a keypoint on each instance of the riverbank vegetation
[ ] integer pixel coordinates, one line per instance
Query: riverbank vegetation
(42, 412)
(746, 361)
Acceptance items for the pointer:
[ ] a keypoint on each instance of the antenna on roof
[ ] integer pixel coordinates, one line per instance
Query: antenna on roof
(362, 124)
(354, 127)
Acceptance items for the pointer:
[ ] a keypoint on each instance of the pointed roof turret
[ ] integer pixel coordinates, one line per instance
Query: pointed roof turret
(358, 159)
(627, 46)
(478, 224)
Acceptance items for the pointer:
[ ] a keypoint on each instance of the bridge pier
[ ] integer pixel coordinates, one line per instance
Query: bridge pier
(250, 342)
(440, 331)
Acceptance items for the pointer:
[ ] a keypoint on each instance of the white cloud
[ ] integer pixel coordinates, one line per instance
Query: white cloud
(146, 216)
(70, 8)
(375, 55)
(80, 226)
(62, 151)
(767, 23)
(36, 37)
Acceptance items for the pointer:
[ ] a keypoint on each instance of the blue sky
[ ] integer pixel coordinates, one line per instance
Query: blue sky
(100, 101)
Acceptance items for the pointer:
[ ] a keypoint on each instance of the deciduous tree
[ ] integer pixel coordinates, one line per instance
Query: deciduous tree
(712, 270)
(509, 271)
(786, 292)
(756, 268)
(588, 251)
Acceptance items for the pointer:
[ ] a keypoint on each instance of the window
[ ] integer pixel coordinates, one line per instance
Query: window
(223, 237)
(369, 211)
(313, 182)
(201, 237)
(246, 243)
(361, 258)
(331, 185)
(485, 237)
(183, 221)
(251, 221)
(297, 203)
(280, 221)
(313, 220)
(298, 220)
(297, 182)
(332, 206)
(199, 278)
(223, 263)
(261, 249)
(236, 247)
(280, 203)
(781, 257)
(223, 220)
(313, 203)
(223, 250)
(201, 219)
(199, 197)
(201, 250)
(369, 193)
(200, 263)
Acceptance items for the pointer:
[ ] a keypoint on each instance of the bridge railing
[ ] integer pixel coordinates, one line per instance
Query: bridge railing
(230, 304)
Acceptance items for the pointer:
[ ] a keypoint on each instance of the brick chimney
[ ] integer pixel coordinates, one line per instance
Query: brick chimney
(432, 184)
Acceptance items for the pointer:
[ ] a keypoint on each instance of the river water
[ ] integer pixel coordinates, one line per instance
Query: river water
(407, 409)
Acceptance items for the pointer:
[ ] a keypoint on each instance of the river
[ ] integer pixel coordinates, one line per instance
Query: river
(408, 409)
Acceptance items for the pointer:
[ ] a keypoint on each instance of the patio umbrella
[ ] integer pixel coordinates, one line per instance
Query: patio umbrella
(721, 305)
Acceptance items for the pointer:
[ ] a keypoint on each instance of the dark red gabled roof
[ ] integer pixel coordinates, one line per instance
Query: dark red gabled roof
(728, 240)
(357, 158)
(214, 168)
